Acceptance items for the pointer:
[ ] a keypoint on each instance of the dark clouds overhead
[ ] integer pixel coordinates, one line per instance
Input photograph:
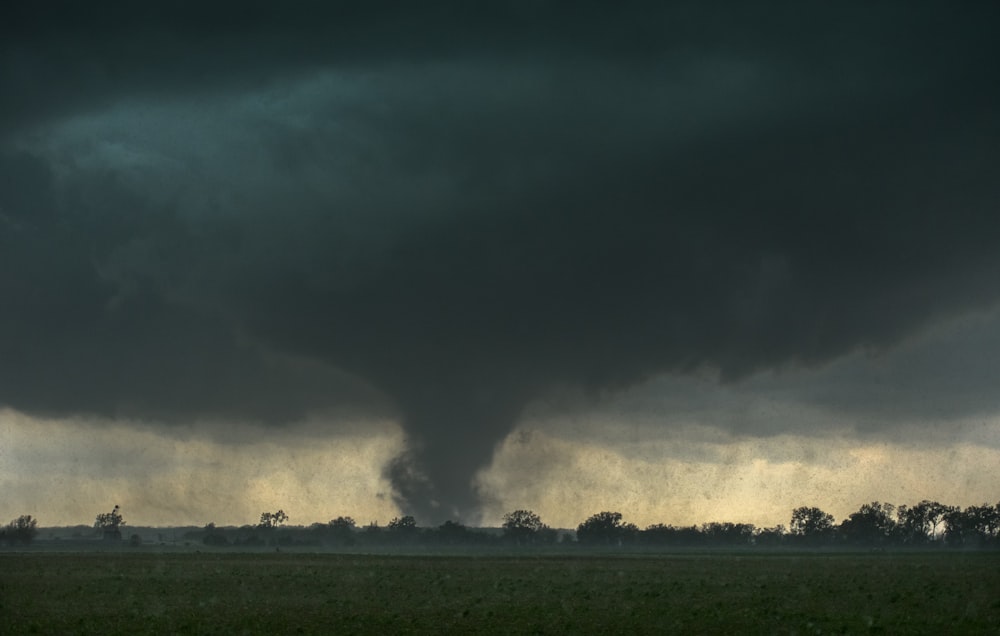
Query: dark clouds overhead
(239, 212)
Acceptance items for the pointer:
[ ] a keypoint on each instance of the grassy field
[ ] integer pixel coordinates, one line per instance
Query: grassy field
(288, 593)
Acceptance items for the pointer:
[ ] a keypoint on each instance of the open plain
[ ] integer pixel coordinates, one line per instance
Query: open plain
(137, 592)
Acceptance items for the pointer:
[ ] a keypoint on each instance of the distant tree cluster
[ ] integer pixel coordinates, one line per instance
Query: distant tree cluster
(524, 527)
(873, 525)
(342, 532)
(606, 528)
(22, 530)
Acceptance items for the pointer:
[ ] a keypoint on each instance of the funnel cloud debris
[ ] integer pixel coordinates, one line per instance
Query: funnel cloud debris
(445, 212)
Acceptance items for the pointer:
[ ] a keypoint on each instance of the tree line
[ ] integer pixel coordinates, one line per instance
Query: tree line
(22, 530)
(873, 525)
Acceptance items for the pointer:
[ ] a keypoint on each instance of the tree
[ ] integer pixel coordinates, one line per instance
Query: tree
(986, 520)
(110, 524)
(872, 524)
(606, 528)
(22, 530)
(372, 533)
(404, 524)
(727, 533)
(919, 524)
(811, 525)
(976, 526)
(213, 536)
(343, 522)
(272, 520)
(770, 537)
(402, 530)
(522, 527)
(342, 530)
(659, 534)
(453, 533)
(548, 536)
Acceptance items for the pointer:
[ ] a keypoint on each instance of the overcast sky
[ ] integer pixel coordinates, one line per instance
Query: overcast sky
(691, 263)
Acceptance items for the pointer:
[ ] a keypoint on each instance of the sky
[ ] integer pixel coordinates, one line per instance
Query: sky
(692, 263)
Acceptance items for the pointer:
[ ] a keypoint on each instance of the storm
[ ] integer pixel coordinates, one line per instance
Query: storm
(447, 260)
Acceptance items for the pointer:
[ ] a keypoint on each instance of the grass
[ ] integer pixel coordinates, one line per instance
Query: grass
(286, 593)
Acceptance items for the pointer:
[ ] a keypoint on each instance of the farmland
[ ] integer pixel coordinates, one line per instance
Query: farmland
(135, 592)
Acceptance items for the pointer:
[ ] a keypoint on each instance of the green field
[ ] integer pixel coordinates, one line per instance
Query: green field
(288, 593)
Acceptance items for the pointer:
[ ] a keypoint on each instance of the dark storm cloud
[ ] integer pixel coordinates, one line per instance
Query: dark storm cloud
(59, 57)
(97, 317)
(466, 210)
(932, 389)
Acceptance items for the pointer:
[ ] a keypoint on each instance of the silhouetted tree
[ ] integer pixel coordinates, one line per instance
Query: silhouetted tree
(454, 533)
(213, 536)
(659, 534)
(959, 527)
(342, 530)
(110, 524)
(402, 529)
(22, 530)
(872, 524)
(524, 527)
(976, 526)
(770, 537)
(269, 524)
(549, 536)
(726, 533)
(811, 525)
(272, 520)
(403, 524)
(372, 533)
(986, 519)
(919, 524)
(606, 528)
